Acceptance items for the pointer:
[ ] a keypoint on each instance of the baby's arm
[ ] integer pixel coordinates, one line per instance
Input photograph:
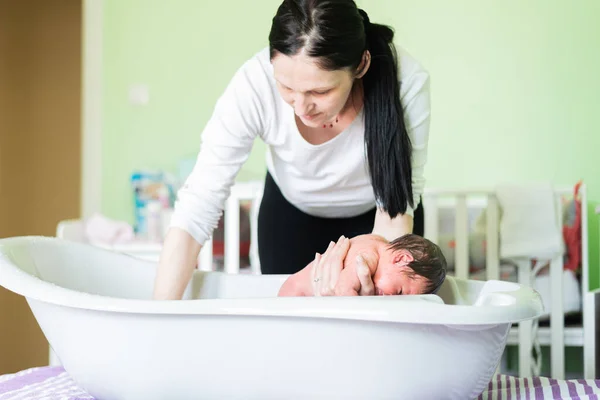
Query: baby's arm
(298, 284)
(357, 278)
(348, 282)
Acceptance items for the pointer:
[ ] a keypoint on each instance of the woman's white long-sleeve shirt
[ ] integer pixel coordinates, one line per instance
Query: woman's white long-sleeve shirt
(327, 180)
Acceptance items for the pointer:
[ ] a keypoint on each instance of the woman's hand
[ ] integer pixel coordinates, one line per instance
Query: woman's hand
(327, 268)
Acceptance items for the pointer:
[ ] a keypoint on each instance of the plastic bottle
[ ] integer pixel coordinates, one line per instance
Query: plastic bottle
(154, 221)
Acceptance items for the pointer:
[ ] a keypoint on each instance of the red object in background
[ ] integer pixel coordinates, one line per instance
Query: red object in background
(219, 248)
(572, 235)
(244, 229)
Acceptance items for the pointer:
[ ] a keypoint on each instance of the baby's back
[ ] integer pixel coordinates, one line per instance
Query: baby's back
(366, 246)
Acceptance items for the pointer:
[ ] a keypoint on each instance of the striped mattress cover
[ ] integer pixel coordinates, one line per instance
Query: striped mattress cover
(48, 383)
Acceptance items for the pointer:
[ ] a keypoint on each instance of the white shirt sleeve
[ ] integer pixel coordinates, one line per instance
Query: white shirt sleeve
(415, 98)
(227, 140)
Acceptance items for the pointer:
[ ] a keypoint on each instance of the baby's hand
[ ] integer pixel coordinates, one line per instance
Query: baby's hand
(367, 288)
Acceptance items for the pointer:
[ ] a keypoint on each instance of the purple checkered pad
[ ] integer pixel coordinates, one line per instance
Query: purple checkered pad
(53, 383)
(506, 387)
(47, 383)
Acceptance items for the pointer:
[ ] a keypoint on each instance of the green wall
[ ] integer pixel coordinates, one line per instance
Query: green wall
(515, 86)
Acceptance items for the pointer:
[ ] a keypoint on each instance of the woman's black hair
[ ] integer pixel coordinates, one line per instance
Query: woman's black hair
(337, 33)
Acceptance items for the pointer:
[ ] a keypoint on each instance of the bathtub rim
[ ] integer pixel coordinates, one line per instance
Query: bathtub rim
(393, 309)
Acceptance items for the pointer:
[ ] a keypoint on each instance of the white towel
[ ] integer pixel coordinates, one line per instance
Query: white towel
(102, 230)
(529, 222)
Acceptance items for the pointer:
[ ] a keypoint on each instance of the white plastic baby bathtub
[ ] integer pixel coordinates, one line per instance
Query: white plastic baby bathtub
(232, 338)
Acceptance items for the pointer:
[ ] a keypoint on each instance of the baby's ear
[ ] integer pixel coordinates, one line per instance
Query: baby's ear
(402, 258)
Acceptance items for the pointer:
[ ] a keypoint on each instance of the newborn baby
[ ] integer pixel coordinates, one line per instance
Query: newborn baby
(410, 264)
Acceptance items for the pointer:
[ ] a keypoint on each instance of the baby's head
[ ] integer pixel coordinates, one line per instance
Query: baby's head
(410, 265)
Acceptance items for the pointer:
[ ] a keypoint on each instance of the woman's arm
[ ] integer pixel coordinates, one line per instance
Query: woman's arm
(177, 262)
(390, 228)
(226, 142)
(239, 117)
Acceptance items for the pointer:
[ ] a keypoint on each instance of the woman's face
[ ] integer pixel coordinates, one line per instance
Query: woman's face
(316, 95)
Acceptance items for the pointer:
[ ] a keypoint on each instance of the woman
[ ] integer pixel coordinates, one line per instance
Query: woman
(346, 121)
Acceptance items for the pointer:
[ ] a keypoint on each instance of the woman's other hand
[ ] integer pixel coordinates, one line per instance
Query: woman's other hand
(328, 267)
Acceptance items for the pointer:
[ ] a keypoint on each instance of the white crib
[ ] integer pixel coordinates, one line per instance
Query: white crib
(557, 336)
(461, 204)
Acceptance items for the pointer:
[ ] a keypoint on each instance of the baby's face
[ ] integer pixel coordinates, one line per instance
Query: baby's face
(395, 279)
(391, 274)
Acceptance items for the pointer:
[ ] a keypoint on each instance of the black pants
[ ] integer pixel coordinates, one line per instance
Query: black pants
(289, 238)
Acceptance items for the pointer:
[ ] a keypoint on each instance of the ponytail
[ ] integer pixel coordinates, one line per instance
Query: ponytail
(388, 146)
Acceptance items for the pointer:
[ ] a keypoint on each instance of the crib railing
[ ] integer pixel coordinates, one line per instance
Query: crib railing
(240, 192)
(460, 201)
